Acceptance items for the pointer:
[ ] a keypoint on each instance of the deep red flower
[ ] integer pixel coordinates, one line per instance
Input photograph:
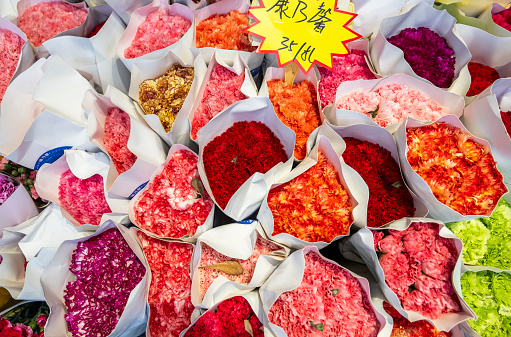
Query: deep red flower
(233, 157)
(506, 119)
(482, 77)
(96, 29)
(10, 332)
(389, 199)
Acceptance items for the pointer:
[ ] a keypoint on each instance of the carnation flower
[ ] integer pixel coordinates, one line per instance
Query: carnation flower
(418, 264)
(96, 29)
(209, 257)
(117, 133)
(165, 95)
(482, 77)
(159, 30)
(10, 51)
(418, 46)
(328, 302)
(506, 120)
(503, 19)
(230, 319)
(83, 199)
(233, 157)
(170, 289)
(222, 90)
(297, 107)
(7, 188)
(392, 103)
(350, 67)
(389, 199)
(224, 31)
(170, 206)
(106, 270)
(461, 173)
(44, 20)
(313, 206)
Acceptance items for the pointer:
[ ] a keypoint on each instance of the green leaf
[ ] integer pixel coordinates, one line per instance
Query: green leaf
(235, 160)
(318, 326)
(334, 291)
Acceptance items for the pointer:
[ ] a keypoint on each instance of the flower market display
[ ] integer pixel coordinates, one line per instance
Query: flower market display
(44, 20)
(171, 206)
(461, 173)
(418, 264)
(225, 214)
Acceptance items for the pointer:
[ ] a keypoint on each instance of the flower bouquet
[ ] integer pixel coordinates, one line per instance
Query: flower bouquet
(485, 68)
(309, 295)
(16, 205)
(450, 170)
(26, 319)
(388, 101)
(232, 260)
(496, 19)
(405, 44)
(372, 152)
(241, 153)
(486, 291)
(350, 67)
(134, 149)
(317, 202)
(297, 106)
(223, 85)
(154, 30)
(232, 317)
(97, 285)
(174, 204)
(170, 307)
(485, 240)
(220, 26)
(488, 117)
(75, 182)
(167, 114)
(417, 263)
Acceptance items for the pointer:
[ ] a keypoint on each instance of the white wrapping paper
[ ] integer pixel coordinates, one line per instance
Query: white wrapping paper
(288, 276)
(351, 181)
(451, 102)
(139, 16)
(18, 208)
(235, 241)
(482, 118)
(124, 8)
(389, 59)
(82, 164)
(437, 210)
(12, 271)
(249, 196)
(143, 142)
(252, 59)
(56, 276)
(96, 56)
(362, 244)
(152, 69)
(208, 223)
(381, 137)
(238, 66)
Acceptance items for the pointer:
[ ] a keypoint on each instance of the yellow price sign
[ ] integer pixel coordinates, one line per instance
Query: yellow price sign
(302, 31)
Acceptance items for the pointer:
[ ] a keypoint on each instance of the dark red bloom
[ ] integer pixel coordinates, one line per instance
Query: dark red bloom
(482, 77)
(233, 157)
(96, 29)
(389, 198)
(506, 119)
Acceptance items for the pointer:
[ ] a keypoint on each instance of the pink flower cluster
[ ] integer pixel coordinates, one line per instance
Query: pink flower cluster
(328, 302)
(117, 133)
(503, 19)
(170, 289)
(230, 319)
(106, 270)
(159, 30)
(222, 90)
(392, 103)
(83, 199)
(349, 67)
(418, 264)
(43, 21)
(170, 206)
(10, 51)
(209, 256)
(7, 188)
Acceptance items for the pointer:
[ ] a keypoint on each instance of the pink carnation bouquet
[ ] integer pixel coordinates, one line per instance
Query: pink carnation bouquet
(117, 133)
(327, 301)
(11, 45)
